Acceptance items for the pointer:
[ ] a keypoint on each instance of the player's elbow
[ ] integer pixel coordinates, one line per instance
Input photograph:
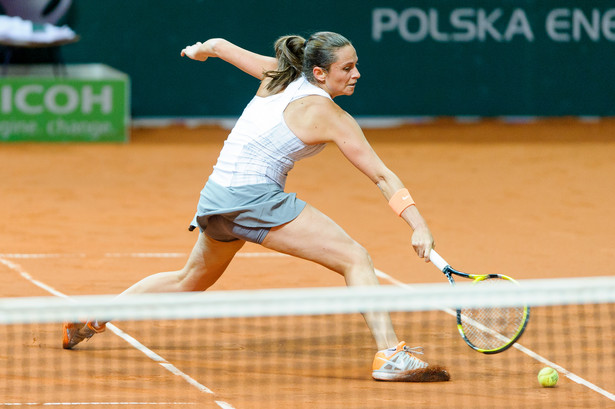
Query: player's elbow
(379, 180)
(383, 176)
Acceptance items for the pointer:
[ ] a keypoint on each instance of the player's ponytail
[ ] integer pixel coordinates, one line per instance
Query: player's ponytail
(289, 53)
(296, 55)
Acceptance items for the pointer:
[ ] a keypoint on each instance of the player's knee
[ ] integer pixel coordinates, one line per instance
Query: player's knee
(366, 258)
(359, 258)
(190, 278)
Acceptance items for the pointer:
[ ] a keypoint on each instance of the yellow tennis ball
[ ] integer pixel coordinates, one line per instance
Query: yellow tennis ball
(548, 377)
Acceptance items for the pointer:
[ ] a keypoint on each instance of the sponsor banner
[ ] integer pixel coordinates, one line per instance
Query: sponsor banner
(498, 24)
(416, 57)
(88, 104)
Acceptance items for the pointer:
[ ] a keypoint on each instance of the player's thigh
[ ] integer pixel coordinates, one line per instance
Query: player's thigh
(211, 256)
(314, 236)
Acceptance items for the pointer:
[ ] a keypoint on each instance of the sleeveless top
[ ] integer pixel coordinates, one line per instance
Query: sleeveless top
(261, 148)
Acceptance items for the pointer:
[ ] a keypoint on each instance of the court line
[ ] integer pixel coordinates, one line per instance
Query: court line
(94, 403)
(131, 340)
(124, 255)
(42, 255)
(570, 375)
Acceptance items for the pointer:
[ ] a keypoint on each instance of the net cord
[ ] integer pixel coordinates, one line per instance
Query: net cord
(307, 301)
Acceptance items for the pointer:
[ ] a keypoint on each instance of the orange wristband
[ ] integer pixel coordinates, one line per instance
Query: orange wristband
(400, 201)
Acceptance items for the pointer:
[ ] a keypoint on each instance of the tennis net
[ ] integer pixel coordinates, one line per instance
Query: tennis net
(306, 348)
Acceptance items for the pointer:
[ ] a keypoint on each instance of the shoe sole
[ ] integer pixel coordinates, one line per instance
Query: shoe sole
(67, 340)
(429, 374)
(65, 337)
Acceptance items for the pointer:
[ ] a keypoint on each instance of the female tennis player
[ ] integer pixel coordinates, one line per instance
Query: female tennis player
(291, 117)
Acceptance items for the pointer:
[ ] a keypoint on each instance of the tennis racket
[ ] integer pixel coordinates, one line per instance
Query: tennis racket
(489, 330)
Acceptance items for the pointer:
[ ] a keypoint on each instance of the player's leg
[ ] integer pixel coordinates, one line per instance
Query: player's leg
(208, 260)
(314, 236)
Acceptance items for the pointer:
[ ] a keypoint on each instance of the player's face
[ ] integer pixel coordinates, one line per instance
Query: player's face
(342, 76)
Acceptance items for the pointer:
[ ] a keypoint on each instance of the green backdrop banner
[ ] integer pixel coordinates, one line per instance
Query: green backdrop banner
(87, 103)
(449, 57)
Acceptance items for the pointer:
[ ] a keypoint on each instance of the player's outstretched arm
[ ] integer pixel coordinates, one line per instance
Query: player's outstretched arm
(247, 61)
(339, 127)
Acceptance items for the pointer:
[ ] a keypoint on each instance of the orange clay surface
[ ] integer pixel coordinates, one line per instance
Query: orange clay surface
(528, 200)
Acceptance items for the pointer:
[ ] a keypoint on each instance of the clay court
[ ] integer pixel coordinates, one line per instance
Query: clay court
(530, 200)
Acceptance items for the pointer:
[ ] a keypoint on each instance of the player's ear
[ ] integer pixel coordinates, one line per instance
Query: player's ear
(320, 74)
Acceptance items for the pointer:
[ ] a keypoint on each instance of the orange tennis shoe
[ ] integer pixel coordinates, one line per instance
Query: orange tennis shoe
(400, 365)
(74, 333)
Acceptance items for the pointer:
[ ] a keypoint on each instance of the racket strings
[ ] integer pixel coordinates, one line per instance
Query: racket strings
(491, 328)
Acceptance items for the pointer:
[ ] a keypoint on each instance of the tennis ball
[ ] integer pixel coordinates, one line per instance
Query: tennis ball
(548, 377)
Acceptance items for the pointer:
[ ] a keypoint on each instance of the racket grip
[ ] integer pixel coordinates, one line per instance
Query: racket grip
(437, 260)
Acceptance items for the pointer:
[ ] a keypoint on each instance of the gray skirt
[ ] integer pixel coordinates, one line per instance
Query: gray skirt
(244, 212)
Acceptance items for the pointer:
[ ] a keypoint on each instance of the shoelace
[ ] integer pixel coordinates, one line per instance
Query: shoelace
(411, 362)
(414, 350)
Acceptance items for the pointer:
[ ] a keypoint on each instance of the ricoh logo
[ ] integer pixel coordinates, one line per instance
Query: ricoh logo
(59, 99)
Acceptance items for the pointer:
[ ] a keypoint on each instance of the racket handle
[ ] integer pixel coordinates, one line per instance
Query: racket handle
(437, 260)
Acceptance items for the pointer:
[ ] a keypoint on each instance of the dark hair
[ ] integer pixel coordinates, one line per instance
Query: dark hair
(296, 55)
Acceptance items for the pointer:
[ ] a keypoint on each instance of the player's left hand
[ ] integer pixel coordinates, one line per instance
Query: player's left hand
(423, 242)
(198, 51)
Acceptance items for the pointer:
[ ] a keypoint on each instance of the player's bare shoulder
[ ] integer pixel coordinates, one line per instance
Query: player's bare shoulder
(316, 119)
(307, 117)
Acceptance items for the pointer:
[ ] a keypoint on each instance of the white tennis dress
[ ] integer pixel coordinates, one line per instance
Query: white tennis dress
(246, 186)
(261, 148)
